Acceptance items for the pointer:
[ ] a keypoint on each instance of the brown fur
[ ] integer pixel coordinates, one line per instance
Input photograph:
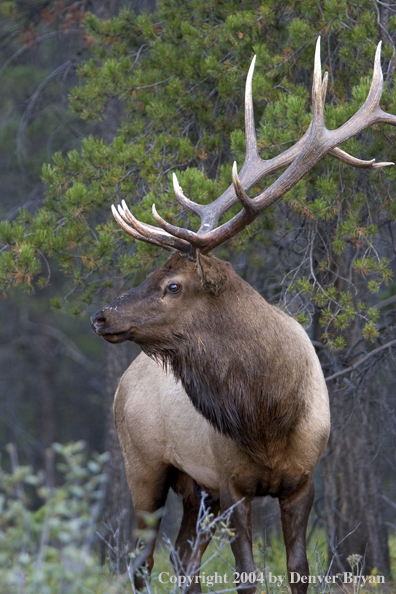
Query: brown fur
(250, 370)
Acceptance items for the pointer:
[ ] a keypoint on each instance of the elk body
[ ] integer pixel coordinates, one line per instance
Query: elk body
(265, 399)
(257, 417)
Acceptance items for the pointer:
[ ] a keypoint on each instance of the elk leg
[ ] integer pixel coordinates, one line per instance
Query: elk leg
(149, 491)
(295, 511)
(240, 523)
(189, 551)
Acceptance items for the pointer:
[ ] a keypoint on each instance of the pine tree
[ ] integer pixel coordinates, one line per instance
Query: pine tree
(37, 42)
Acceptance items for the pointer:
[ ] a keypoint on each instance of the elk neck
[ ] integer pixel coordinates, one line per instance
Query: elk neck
(243, 363)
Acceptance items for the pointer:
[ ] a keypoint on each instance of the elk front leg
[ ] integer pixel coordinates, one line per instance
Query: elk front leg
(189, 550)
(295, 511)
(240, 523)
(149, 489)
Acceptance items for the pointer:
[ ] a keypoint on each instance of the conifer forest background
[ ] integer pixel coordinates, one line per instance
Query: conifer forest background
(101, 101)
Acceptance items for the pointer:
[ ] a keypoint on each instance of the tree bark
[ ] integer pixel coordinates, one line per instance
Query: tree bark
(118, 517)
(384, 12)
(45, 397)
(352, 483)
(354, 508)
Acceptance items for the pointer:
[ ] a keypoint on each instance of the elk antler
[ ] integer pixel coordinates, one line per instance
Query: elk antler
(299, 159)
(146, 232)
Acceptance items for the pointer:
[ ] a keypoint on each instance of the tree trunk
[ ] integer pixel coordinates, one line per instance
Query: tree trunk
(354, 509)
(384, 12)
(353, 503)
(46, 424)
(118, 512)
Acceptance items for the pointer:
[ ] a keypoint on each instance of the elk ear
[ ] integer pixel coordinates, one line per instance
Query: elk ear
(213, 274)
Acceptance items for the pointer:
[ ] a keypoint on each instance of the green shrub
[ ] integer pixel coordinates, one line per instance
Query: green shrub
(48, 524)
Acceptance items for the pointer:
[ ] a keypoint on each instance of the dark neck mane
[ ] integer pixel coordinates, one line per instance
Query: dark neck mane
(249, 390)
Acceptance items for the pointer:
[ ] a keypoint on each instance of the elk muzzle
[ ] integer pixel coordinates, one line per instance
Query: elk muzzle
(102, 323)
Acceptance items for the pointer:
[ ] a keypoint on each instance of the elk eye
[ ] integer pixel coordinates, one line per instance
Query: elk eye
(174, 287)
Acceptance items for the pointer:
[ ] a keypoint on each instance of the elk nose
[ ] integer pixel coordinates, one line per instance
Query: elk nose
(98, 321)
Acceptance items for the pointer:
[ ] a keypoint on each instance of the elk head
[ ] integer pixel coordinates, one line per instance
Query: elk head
(156, 310)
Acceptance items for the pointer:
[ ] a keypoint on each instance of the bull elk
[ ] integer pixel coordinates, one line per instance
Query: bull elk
(256, 420)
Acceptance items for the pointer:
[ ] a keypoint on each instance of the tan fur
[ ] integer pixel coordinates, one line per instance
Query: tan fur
(158, 427)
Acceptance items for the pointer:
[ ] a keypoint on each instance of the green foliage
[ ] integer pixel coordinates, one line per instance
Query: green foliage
(177, 81)
(47, 531)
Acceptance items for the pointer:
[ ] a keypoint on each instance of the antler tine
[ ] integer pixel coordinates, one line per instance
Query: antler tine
(183, 200)
(149, 233)
(369, 113)
(250, 128)
(324, 87)
(384, 164)
(349, 160)
(159, 236)
(130, 230)
(243, 198)
(317, 90)
(183, 234)
(377, 81)
(339, 153)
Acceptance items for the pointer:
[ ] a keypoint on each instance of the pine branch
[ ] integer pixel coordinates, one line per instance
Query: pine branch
(361, 361)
